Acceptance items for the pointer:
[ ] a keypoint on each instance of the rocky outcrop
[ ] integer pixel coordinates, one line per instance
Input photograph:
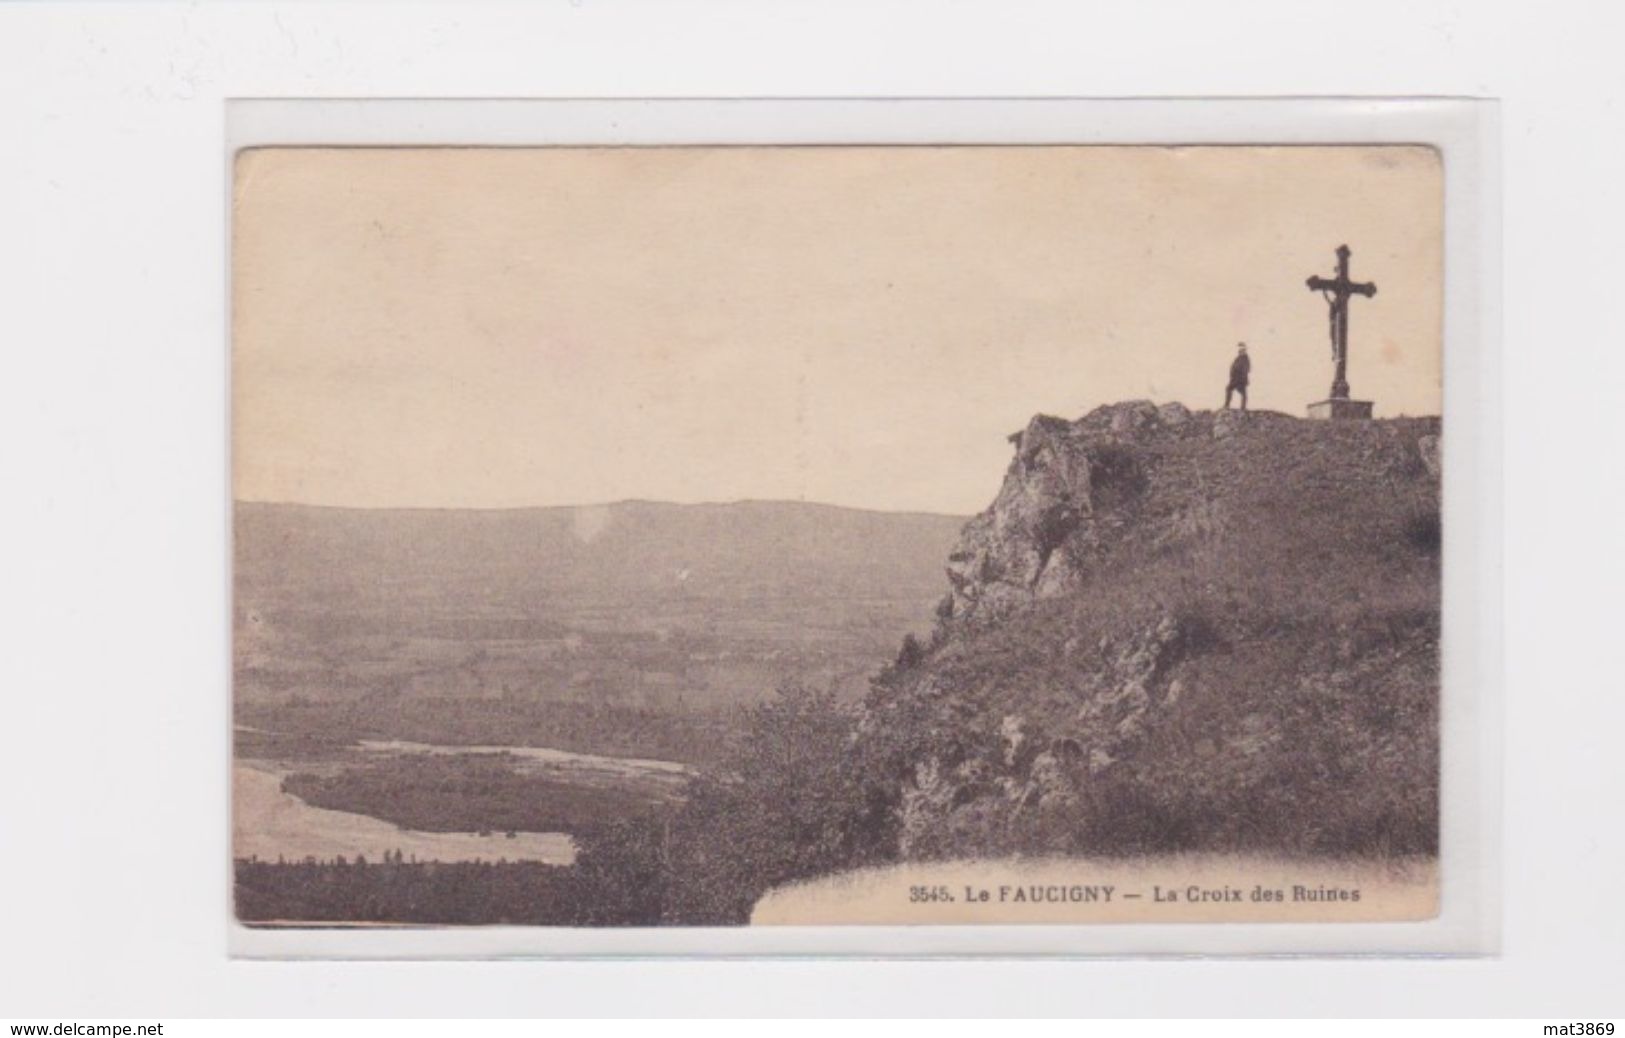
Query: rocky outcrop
(1036, 539)
(1165, 615)
(1017, 548)
(1038, 767)
(1040, 535)
(1428, 448)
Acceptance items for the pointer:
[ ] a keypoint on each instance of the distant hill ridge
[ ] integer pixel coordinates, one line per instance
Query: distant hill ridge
(814, 581)
(629, 504)
(595, 549)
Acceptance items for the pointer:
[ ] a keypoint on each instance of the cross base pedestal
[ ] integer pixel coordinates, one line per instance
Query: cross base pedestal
(1340, 408)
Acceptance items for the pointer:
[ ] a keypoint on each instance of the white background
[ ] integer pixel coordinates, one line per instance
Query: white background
(112, 406)
(1463, 131)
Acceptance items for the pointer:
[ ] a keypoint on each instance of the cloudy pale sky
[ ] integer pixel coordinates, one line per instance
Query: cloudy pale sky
(856, 326)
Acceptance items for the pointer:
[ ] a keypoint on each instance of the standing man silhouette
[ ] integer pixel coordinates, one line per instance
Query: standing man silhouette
(1240, 368)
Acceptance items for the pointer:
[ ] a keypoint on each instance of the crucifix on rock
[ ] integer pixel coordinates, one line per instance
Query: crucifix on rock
(1337, 291)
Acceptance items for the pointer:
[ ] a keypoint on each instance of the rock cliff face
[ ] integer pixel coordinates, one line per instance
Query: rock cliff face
(1182, 631)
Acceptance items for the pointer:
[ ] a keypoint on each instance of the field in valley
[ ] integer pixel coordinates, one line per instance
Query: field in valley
(421, 687)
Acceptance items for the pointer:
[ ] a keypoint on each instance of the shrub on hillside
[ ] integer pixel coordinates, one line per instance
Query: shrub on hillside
(793, 798)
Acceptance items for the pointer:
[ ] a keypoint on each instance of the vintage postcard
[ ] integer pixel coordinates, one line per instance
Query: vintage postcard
(761, 535)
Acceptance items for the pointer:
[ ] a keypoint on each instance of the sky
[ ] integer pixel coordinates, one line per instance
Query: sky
(486, 328)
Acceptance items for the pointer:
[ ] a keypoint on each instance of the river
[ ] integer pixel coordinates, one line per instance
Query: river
(628, 767)
(270, 824)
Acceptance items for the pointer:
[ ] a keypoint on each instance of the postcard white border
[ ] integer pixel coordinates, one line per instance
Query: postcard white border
(1465, 132)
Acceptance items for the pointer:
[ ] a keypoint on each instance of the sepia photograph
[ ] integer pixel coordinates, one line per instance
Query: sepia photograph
(889, 511)
(788, 535)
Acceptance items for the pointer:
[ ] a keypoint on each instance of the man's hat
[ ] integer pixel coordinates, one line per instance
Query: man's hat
(1241, 346)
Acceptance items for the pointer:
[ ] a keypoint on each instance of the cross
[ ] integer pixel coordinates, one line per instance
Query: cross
(1337, 291)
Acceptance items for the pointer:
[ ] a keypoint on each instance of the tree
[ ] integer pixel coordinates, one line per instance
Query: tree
(792, 801)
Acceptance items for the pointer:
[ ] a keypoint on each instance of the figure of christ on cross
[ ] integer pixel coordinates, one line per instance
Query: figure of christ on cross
(1337, 291)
